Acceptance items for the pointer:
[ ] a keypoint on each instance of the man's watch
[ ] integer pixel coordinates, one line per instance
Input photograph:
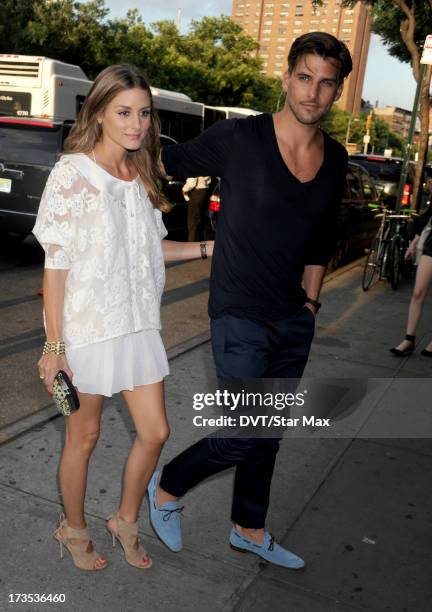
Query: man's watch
(314, 303)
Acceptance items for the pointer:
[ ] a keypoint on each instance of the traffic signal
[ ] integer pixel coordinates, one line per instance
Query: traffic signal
(369, 122)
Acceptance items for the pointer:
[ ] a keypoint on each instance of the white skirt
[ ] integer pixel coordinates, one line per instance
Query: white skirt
(119, 364)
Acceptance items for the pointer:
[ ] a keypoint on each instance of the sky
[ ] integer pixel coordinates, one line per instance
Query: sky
(387, 80)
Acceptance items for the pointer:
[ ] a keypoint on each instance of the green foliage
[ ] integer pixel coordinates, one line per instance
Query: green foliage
(215, 63)
(336, 124)
(387, 18)
(14, 25)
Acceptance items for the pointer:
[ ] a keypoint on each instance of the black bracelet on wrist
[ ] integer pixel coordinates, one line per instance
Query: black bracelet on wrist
(314, 303)
(203, 248)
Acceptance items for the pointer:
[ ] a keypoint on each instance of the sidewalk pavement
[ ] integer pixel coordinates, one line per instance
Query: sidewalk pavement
(357, 509)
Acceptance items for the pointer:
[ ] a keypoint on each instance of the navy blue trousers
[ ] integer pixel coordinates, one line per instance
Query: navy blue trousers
(245, 349)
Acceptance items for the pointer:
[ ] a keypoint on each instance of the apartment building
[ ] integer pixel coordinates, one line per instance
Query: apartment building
(398, 119)
(277, 23)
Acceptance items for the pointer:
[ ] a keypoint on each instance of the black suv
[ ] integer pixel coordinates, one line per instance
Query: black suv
(386, 173)
(29, 148)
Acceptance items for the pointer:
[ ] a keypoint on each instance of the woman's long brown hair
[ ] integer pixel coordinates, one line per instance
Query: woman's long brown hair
(87, 131)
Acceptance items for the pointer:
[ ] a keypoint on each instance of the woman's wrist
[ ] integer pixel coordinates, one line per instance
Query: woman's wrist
(54, 348)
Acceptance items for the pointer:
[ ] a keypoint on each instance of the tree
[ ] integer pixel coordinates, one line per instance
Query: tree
(403, 26)
(14, 25)
(214, 63)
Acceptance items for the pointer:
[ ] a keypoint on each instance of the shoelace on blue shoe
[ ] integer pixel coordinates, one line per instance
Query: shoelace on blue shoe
(168, 513)
(271, 545)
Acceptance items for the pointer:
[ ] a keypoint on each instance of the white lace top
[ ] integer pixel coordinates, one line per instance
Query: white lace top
(106, 232)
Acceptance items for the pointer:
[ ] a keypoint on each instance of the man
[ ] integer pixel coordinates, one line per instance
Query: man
(195, 192)
(282, 181)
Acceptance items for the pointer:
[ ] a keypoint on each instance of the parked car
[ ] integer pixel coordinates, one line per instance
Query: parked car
(29, 148)
(386, 172)
(357, 223)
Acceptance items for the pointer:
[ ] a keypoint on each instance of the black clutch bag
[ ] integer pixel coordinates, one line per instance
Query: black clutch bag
(64, 394)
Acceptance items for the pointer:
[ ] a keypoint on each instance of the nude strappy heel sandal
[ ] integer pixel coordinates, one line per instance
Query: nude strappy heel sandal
(82, 552)
(127, 534)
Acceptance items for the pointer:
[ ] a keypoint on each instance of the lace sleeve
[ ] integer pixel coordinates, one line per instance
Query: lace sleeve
(56, 220)
(160, 224)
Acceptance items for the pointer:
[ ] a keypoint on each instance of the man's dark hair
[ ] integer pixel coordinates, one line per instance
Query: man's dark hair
(326, 46)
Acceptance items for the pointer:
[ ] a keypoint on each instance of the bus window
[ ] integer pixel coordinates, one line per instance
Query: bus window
(211, 115)
(15, 103)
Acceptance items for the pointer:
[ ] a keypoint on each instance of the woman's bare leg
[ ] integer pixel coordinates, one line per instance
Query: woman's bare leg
(82, 432)
(146, 405)
(422, 282)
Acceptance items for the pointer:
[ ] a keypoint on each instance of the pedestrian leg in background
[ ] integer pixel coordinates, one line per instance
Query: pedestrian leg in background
(197, 200)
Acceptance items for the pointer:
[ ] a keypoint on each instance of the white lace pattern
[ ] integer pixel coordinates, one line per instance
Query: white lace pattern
(106, 232)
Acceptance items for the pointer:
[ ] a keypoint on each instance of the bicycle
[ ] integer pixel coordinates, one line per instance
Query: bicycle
(377, 256)
(398, 245)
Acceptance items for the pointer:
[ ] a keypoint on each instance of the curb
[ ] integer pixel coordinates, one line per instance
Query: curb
(48, 413)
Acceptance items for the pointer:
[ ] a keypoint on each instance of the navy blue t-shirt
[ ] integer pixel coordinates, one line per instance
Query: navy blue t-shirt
(271, 225)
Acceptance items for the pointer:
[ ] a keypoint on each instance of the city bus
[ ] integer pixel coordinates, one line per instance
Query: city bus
(32, 86)
(41, 87)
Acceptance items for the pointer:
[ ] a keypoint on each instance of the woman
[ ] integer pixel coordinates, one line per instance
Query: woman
(422, 283)
(100, 224)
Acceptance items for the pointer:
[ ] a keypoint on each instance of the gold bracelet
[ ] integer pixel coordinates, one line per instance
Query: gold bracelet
(55, 348)
(203, 249)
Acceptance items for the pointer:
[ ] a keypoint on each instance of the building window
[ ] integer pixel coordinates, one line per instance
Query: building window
(347, 30)
(266, 31)
(282, 31)
(348, 20)
(297, 31)
(268, 23)
(298, 23)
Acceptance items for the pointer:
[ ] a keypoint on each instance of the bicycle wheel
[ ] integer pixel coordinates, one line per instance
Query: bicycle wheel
(395, 262)
(371, 265)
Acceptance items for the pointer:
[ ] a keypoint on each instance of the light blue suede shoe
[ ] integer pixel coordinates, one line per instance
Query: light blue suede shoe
(166, 519)
(268, 550)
